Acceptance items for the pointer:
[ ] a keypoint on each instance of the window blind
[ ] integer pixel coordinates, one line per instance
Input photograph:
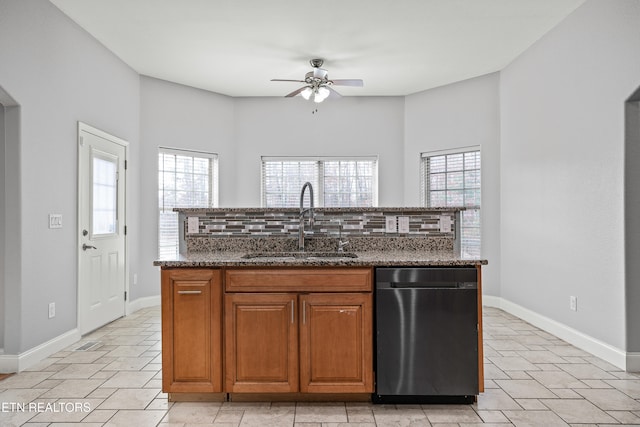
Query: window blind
(337, 181)
(454, 179)
(186, 179)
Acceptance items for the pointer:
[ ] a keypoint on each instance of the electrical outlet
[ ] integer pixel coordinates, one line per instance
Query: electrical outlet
(55, 220)
(403, 224)
(573, 303)
(52, 310)
(193, 225)
(391, 224)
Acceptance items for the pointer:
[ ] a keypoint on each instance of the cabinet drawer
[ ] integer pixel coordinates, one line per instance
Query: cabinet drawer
(299, 280)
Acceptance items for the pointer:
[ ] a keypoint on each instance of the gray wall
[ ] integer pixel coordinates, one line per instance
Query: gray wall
(177, 116)
(59, 75)
(453, 116)
(2, 226)
(340, 127)
(562, 158)
(632, 220)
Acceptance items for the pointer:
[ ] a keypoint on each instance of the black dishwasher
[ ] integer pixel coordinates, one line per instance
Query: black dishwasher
(426, 335)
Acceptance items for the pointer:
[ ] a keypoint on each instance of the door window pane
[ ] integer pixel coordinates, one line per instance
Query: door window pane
(104, 200)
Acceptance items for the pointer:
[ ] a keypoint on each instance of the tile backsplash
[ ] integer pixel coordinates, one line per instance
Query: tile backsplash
(329, 222)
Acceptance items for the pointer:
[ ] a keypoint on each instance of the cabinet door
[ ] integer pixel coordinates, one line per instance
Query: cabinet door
(191, 330)
(336, 343)
(261, 343)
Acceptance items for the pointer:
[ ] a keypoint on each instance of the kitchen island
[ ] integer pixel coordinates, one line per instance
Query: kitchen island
(254, 318)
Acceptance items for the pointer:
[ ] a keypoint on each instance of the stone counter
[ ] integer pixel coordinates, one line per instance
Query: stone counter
(386, 258)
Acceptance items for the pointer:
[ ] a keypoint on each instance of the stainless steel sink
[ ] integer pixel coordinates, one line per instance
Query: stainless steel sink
(300, 255)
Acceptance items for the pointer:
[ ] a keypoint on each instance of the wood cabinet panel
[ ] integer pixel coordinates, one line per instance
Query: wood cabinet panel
(299, 279)
(261, 343)
(191, 330)
(336, 349)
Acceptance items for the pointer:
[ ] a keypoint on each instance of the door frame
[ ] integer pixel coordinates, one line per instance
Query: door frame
(83, 127)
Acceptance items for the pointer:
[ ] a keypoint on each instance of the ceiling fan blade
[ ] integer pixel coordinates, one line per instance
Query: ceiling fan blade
(334, 93)
(348, 82)
(285, 80)
(295, 92)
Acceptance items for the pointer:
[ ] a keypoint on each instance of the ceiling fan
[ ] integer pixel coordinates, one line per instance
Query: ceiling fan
(318, 86)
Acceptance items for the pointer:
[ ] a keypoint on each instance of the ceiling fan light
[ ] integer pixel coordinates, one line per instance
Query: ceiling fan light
(306, 93)
(321, 94)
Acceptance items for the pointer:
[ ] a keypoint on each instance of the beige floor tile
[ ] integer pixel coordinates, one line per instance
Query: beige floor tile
(452, 416)
(192, 412)
(83, 357)
(360, 414)
(625, 417)
(543, 356)
(80, 371)
(229, 417)
(629, 387)
(492, 417)
(99, 416)
(557, 379)
(131, 418)
(578, 411)
(275, 416)
(73, 389)
(531, 404)
(128, 351)
(534, 418)
(610, 399)
(319, 412)
(129, 379)
(25, 380)
(496, 399)
(127, 364)
(525, 389)
(129, 398)
(585, 371)
(513, 364)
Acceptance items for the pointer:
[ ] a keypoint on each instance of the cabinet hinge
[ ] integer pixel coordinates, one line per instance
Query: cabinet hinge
(126, 165)
(125, 230)
(125, 295)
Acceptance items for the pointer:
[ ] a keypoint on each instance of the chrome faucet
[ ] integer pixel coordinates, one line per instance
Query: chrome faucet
(302, 211)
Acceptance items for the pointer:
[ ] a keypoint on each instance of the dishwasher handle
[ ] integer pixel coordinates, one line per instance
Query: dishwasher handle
(429, 285)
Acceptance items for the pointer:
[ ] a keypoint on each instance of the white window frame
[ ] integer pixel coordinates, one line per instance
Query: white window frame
(318, 181)
(164, 249)
(471, 218)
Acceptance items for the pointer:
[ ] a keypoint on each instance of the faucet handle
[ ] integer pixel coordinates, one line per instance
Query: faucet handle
(341, 245)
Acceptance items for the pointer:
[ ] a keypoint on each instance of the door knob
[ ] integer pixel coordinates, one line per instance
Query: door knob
(85, 247)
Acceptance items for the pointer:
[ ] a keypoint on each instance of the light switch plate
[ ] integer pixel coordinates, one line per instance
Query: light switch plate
(403, 224)
(55, 220)
(193, 224)
(445, 224)
(391, 226)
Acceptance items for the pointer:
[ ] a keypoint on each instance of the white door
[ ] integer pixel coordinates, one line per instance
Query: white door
(101, 238)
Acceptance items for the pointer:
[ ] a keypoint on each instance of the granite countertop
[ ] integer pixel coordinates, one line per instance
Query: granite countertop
(364, 259)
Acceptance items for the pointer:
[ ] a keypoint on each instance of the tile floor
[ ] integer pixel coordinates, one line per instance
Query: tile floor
(532, 378)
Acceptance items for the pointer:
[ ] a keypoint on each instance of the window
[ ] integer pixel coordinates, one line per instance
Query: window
(186, 179)
(337, 182)
(453, 179)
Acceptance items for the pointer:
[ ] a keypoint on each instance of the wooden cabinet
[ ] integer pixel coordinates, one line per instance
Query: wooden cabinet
(191, 330)
(261, 343)
(314, 340)
(336, 343)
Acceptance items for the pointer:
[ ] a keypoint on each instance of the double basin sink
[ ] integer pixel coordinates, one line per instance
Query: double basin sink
(300, 255)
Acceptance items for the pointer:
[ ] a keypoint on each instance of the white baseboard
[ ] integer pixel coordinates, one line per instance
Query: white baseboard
(20, 362)
(141, 303)
(609, 353)
(633, 362)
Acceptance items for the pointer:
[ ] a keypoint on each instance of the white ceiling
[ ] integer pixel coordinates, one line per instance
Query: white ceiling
(235, 47)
